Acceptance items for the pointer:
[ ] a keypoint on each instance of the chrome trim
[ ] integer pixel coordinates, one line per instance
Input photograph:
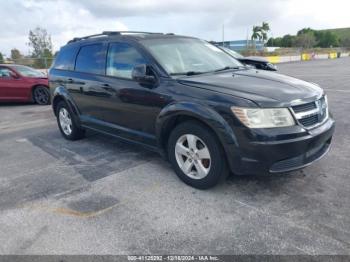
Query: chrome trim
(306, 113)
(301, 115)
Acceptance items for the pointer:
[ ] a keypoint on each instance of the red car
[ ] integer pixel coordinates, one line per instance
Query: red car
(20, 83)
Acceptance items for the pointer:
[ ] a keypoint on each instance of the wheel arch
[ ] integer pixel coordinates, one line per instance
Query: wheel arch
(178, 113)
(61, 94)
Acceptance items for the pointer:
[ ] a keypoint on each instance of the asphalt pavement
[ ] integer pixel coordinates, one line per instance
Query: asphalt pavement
(103, 196)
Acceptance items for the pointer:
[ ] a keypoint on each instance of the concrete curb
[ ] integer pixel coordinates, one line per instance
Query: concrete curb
(303, 57)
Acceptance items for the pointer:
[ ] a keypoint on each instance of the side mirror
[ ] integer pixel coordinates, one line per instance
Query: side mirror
(141, 74)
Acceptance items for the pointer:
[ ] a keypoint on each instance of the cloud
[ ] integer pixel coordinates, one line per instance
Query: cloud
(65, 19)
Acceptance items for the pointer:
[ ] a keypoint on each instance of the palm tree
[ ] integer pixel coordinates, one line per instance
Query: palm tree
(265, 26)
(260, 32)
(264, 29)
(256, 33)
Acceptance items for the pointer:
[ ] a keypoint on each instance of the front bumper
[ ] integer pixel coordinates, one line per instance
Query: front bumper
(277, 151)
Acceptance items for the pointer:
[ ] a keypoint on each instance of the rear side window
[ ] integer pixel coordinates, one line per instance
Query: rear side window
(121, 60)
(91, 59)
(66, 58)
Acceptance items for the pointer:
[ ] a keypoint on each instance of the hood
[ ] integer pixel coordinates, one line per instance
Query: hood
(37, 78)
(265, 88)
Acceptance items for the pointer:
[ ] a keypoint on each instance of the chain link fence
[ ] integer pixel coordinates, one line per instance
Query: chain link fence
(38, 63)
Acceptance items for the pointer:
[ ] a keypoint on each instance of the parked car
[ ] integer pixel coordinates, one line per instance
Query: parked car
(191, 102)
(20, 83)
(254, 61)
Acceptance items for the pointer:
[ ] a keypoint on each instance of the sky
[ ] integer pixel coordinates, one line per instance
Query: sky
(66, 19)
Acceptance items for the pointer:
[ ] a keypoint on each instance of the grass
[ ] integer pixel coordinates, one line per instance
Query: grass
(342, 33)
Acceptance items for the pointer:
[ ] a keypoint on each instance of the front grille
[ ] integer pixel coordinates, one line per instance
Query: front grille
(309, 121)
(304, 107)
(311, 114)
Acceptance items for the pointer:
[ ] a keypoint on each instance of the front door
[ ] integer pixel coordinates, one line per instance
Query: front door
(11, 87)
(127, 104)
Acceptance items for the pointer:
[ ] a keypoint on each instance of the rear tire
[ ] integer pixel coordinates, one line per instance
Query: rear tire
(66, 123)
(197, 155)
(41, 95)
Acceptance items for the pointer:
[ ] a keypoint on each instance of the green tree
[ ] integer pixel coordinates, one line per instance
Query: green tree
(16, 54)
(274, 42)
(326, 39)
(1, 58)
(288, 41)
(278, 41)
(270, 42)
(307, 30)
(306, 40)
(40, 42)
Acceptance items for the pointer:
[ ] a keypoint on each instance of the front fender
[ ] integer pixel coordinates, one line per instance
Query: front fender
(204, 114)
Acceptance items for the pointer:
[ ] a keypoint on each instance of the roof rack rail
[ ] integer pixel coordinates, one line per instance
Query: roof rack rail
(129, 32)
(109, 33)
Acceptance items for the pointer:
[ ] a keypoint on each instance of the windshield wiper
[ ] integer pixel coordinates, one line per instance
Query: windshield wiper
(189, 73)
(227, 68)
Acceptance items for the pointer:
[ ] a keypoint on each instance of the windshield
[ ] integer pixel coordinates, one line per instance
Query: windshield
(28, 71)
(231, 52)
(189, 56)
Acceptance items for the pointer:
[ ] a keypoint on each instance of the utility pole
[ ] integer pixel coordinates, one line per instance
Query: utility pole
(223, 34)
(247, 43)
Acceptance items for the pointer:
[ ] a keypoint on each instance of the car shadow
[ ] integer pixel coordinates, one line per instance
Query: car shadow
(15, 104)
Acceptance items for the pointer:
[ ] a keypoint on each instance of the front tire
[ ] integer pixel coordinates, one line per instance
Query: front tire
(41, 95)
(197, 155)
(68, 127)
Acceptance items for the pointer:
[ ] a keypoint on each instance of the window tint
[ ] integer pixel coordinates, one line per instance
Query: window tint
(121, 59)
(66, 58)
(91, 59)
(4, 72)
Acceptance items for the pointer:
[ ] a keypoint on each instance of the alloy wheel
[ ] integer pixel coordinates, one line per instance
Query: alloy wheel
(192, 156)
(65, 121)
(41, 96)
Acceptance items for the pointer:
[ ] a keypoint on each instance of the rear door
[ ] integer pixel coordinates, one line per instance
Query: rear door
(86, 82)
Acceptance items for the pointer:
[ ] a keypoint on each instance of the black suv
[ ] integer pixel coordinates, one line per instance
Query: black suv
(191, 102)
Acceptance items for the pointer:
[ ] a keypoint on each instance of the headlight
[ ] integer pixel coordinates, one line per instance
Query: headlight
(264, 117)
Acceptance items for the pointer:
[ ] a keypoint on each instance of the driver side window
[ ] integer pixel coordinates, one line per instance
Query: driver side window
(5, 72)
(121, 60)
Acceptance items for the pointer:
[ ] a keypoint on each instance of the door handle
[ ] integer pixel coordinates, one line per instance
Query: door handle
(105, 85)
(70, 81)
